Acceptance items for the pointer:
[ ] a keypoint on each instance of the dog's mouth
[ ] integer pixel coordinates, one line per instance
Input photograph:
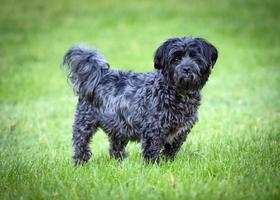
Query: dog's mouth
(188, 81)
(188, 84)
(188, 78)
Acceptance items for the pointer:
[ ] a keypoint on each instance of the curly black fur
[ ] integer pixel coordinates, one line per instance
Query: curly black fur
(157, 108)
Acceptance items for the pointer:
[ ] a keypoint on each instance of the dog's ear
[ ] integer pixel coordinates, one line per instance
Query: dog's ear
(210, 51)
(161, 54)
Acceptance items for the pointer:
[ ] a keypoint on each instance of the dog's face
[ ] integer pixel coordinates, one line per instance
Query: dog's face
(186, 62)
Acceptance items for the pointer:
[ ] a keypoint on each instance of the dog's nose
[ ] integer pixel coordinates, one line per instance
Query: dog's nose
(186, 70)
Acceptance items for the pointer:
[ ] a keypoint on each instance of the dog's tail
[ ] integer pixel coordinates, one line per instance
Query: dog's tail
(85, 69)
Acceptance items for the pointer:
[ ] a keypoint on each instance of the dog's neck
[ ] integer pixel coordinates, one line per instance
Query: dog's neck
(187, 94)
(165, 78)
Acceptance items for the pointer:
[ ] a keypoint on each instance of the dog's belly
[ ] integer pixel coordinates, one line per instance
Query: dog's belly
(119, 126)
(118, 118)
(122, 132)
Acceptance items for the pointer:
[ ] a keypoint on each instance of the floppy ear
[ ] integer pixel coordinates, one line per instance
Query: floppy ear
(161, 54)
(210, 51)
(213, 53)
(158, 59)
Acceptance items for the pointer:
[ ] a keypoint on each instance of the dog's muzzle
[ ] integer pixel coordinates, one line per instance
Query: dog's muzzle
(187, 71)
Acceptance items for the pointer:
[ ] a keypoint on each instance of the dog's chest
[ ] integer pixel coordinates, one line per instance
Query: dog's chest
(174, 134)
(184, 121)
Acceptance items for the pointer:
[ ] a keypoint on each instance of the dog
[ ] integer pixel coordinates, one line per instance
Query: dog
(157, 108)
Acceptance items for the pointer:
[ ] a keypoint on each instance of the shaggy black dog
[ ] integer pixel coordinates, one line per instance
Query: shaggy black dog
(157, 108)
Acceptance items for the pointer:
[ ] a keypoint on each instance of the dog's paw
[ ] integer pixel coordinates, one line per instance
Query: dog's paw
(168, 155)
(118, 155)
(152, 160)
(82, 158)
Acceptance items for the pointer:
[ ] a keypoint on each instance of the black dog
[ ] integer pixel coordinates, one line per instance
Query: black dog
(157, 108)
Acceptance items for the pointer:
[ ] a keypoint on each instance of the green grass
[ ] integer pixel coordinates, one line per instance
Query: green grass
(232, 153)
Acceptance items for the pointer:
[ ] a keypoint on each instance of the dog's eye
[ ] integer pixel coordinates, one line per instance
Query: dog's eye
(192, 53)
(177, 58)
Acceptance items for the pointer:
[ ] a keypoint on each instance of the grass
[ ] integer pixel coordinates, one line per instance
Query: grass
(232, 153)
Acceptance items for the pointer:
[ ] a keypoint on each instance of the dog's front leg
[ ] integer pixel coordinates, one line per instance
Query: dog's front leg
(171, 148)
(151, 145)
(117, 148)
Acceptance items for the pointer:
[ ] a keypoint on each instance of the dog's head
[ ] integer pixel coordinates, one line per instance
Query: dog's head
(186, 62)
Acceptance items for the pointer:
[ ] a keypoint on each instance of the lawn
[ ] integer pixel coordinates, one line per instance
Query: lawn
(233, 152)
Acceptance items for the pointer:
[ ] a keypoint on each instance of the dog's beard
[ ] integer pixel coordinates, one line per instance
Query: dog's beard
(187, 83)
(187, 87)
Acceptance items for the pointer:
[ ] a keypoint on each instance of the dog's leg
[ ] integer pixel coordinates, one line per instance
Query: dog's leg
(117, 148)
(151, 146)
(170, 149)
(85, 125)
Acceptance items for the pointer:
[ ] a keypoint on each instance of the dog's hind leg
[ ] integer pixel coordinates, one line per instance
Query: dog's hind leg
(117, 148)
(85, 125)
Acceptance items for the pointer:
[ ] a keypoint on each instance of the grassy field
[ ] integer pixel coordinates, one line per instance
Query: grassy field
(232, 153)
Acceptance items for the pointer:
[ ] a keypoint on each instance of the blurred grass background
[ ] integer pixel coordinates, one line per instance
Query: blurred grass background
(232, 153)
